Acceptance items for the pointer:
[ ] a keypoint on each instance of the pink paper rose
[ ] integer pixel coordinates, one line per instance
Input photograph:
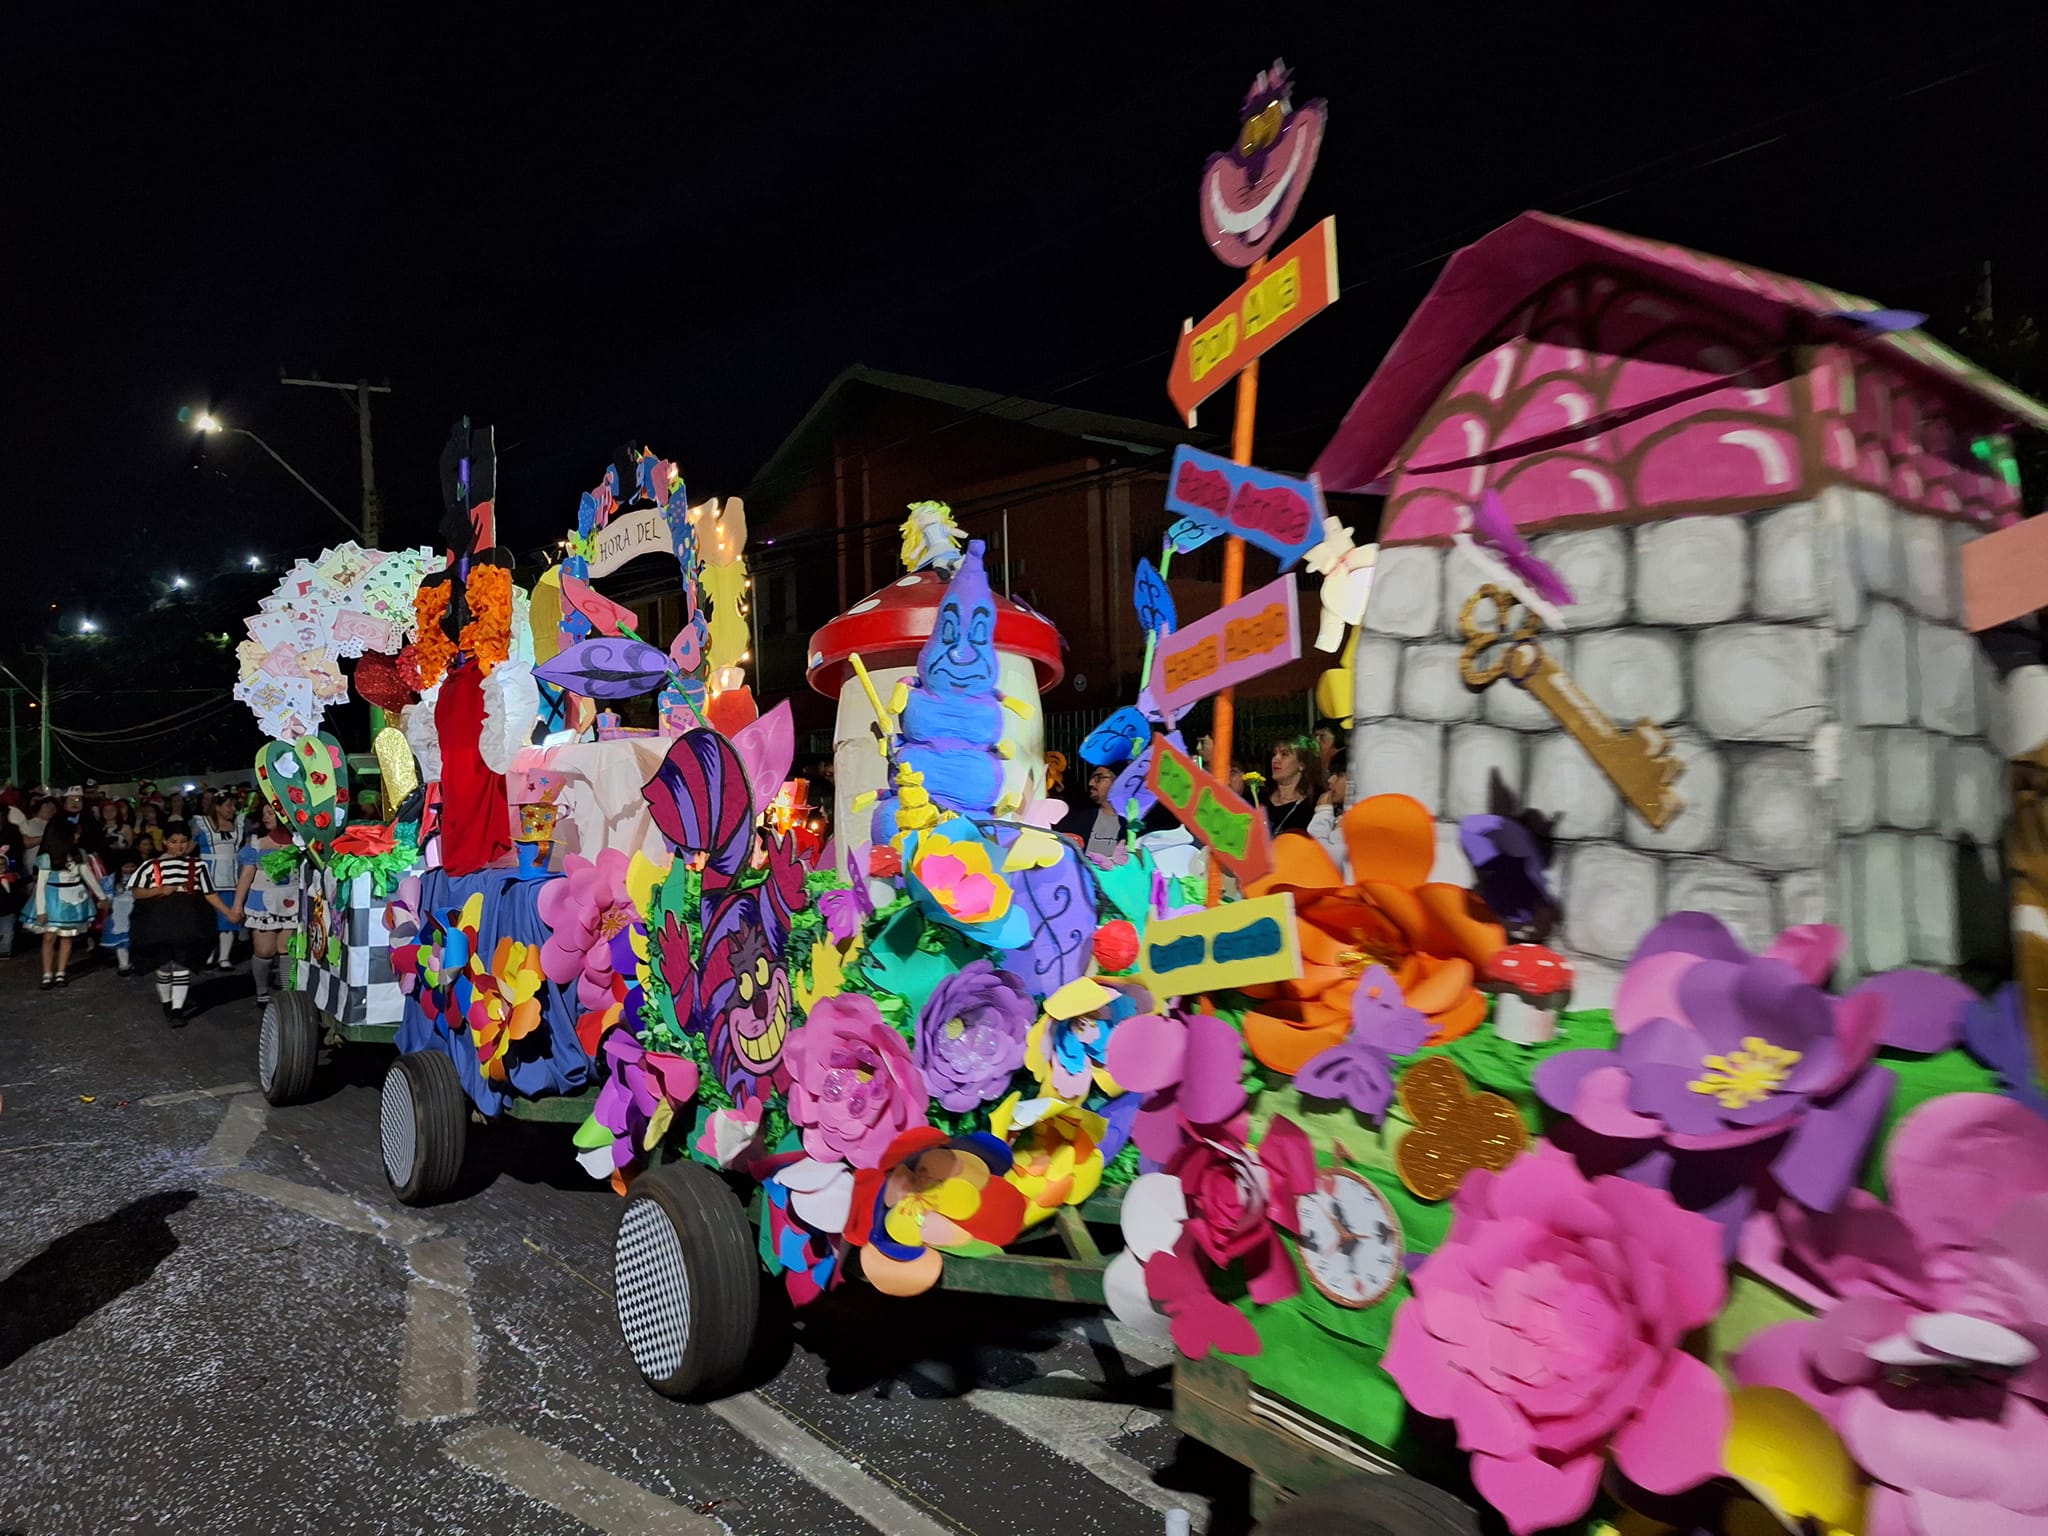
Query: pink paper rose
(1548, 1326)
(1930, 1354)
(855, 1088)
(584, 911)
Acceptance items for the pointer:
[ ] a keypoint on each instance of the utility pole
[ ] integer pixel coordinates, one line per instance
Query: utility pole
(13, 743)
(358, 396)
(41, 706)
(44, 711)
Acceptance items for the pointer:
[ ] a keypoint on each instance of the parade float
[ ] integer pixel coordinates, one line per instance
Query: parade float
(1622, 1127)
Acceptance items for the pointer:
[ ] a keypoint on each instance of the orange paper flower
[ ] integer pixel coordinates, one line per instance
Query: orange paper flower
(488, 634)
(1432, 936)
(433, 650)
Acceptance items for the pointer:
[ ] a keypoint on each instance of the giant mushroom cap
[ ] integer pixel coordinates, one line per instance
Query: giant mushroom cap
(888, 628)
(1528, 970)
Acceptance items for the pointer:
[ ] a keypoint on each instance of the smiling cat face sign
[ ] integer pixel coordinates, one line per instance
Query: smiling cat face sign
(1250, 192)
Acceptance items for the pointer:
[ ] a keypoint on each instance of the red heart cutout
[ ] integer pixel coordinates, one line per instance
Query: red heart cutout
(302, 815)
(319, 778)
(322, 819)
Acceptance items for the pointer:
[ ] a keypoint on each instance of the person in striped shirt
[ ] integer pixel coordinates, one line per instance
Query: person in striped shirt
(172, 926)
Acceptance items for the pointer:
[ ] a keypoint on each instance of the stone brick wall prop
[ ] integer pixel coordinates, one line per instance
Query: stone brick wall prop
(1810, 665)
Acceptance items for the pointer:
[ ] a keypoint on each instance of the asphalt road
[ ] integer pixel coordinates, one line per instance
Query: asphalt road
(214, 1317)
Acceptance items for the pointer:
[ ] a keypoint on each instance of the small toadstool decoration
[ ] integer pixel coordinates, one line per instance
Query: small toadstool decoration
(1530, 984)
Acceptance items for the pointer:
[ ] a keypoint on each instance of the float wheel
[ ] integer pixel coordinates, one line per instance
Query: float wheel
(287, 1047)
(688, 1279)
(423, 1125)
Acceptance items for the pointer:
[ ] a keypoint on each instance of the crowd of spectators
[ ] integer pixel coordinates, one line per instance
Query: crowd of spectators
(74, 861)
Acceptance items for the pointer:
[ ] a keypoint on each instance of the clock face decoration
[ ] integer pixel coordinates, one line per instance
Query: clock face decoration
(1350, 1239)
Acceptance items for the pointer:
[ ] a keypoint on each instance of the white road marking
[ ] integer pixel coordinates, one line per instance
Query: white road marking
(1153, 1354)
(224, 1091)
(598, 1498)
(236, 1133)
(1073, 1422)
(336, 1210)
(439, 1377)
(825, 1469)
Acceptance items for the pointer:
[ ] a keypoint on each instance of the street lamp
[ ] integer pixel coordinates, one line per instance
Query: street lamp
(87, 627)
(207, 422)
(177, 583)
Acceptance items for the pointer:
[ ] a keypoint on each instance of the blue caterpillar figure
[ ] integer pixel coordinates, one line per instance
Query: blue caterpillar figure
(950, 716)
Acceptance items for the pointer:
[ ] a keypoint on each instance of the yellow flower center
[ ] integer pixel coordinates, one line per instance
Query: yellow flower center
(1747, 1075)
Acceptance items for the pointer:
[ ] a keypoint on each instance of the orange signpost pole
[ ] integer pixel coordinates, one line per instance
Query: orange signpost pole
(1223, 725)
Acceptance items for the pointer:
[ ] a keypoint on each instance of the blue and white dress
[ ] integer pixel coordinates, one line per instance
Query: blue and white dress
(217, 850)
(66, 900)
(270, 904)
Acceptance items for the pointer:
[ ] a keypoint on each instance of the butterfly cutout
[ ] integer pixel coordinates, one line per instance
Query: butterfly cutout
(1034, 850)
(1456, 1130)
(1201, 1323)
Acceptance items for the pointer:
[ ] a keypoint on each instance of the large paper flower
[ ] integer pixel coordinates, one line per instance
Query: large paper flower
(855, 1087)
(1431, 936)
(635, 1107)
(953, 874)
(504, 1002)
(1190, 1069)
(1239, 1198)
(584, 911)
(1219, 1206)
(1930, 1355)
(970, 1035)
(1069, 1044)
(931, 1193)
(1548, 1326)
(1057, 1152)
(1720, 1048)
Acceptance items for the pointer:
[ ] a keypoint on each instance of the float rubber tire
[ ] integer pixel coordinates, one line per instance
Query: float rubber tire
(1369, 1504)
(287, 1047)
(687, 1275)
(423, 1125)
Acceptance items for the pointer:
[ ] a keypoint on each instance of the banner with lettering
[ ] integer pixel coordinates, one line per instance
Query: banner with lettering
(628, 536)
(1292, 288)
(1228, 825)
(1255, 634)
(1278, 513)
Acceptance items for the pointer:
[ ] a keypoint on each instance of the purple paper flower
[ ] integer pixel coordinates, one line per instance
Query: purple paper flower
(1721, 1049)
(1360, 1069)
(970, 1035)
(1507, 869)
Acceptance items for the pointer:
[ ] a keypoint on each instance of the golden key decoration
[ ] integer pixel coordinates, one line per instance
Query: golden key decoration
(1638, 760)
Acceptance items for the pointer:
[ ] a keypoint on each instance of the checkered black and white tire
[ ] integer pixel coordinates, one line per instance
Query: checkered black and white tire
(423, 1125)
(688, 1279)
(287, 1047)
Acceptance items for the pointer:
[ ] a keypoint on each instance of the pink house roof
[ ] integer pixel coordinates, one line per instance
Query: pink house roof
(1482, 284)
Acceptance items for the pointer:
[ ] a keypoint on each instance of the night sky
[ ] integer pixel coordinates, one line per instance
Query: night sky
(678, 233)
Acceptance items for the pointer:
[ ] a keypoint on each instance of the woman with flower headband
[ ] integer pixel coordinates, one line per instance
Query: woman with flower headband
(1298, 798)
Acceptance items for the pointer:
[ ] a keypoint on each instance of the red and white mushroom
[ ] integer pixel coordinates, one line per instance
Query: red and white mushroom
(1530, 984)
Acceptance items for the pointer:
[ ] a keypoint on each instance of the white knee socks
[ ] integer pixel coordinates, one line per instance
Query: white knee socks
(227, 945)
